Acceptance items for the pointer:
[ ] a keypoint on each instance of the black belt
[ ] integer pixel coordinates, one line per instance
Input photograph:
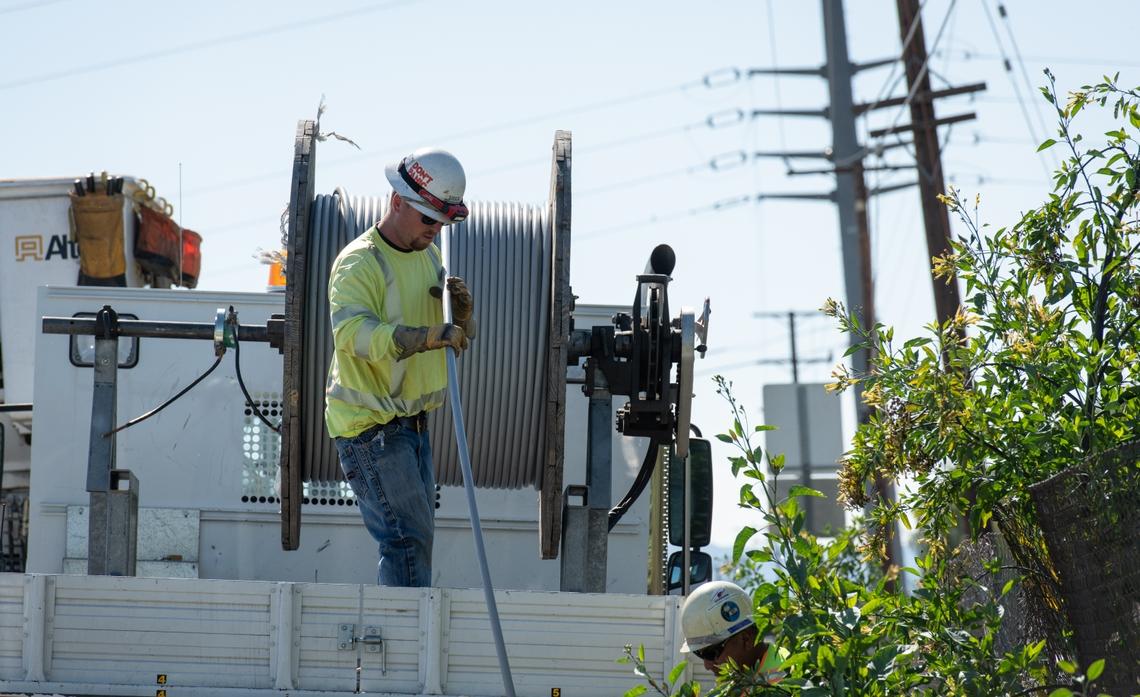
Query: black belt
(416, 422)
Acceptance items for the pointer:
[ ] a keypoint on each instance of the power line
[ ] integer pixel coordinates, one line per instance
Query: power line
(638, 181)
(199, 45)
(888, 87)
(891, 82)
(716, 207)
(922, 70)
(981, 179)
(640, 138)
(29, 6)
(1013, 81)
(1001, 140)
(397, 150)
(776, 77)
(965, 54)
(1024, 74)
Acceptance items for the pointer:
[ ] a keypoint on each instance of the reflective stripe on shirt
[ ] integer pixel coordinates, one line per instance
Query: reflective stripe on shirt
(372, 288)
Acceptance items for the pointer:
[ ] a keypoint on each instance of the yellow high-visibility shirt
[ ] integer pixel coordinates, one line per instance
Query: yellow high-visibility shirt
(372, 288)
(770, 664)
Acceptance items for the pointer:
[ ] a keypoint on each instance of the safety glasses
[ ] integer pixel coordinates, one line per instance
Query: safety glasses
(454, 212)
(711, 653)
(428, 220)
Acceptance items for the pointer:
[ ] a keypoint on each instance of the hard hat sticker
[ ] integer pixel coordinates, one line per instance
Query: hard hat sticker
(419, 174)
(729, 611)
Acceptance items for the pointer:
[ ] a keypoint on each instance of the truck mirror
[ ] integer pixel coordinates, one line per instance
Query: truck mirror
(700, 569)
(700, 465)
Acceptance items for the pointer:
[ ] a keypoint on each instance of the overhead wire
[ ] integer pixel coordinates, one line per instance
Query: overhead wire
(230, 184)
(908, 213)
(891, 82)
(776, 80)
(887, 87)
(1013, 82)
(613, 186)
(29, 6)
(621, 142)
(752, 140)
(966, 54)
(638, 181)
(199, 45)
(715, 207)
(732, 202)
(1029, 86)
(593, 106)
(922, 70)
(982, 179)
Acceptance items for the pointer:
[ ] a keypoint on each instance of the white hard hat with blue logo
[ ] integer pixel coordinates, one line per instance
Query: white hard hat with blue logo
(714, 612)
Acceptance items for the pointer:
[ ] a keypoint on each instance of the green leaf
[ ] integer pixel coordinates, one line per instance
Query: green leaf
(759, 555)
(641, 652)
(677, 670)
(799, 490)
(724, 438)
(1067, 666)
(1095, 669)
(1047, 144)
(765, 427)
(1061, 692)
(825, 657)
(742, 539)
(636, 690)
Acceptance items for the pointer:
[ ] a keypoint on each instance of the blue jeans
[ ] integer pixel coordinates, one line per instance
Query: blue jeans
(389, 469)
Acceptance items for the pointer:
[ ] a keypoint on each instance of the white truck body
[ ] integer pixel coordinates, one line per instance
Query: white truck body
(217, 607)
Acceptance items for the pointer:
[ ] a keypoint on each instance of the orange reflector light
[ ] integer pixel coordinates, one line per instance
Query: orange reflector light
(276, 277)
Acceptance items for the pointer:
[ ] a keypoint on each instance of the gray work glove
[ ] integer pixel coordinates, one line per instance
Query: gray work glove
(412, 340)
(462, 305)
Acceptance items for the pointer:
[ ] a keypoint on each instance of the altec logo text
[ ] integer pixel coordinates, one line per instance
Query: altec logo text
(31, 248)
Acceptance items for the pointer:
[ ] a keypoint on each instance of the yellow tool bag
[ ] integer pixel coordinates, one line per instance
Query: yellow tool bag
(97, 225)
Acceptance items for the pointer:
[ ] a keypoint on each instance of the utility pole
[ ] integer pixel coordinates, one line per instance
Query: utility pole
(808, 503)
(845, 158)
(846, 153)
(855, 229)
(927, 153)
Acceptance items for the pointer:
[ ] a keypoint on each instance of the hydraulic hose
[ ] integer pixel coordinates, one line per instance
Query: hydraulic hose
(469, 486)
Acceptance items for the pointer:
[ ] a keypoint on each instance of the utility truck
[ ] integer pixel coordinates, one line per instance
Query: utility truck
(183, 526)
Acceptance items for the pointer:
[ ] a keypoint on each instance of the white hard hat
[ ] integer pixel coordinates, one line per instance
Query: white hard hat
(432, 181)
(714, 612)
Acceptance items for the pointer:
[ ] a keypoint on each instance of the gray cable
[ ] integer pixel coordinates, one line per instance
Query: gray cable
(472, 507)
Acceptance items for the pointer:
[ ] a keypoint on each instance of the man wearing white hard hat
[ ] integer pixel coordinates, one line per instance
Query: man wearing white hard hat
(716, 620)
(388, 368)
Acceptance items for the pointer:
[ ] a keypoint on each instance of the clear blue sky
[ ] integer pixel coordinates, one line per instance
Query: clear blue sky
(213, 90)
